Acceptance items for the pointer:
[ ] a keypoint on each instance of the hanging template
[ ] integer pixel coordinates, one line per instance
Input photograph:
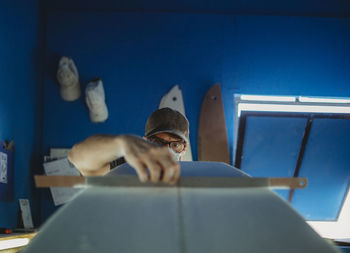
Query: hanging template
(173, 99)
(212, 133)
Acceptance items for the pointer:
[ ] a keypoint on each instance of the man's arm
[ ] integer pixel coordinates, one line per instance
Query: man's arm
(93, 156)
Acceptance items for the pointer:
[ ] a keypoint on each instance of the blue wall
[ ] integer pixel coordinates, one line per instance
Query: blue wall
(287, 56)
(334, 8)
(20, 97)
(140, 56)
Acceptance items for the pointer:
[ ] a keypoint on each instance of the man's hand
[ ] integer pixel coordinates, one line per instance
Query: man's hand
(143, 155)
(93, 156)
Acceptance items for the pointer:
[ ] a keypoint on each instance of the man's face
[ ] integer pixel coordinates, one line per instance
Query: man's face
(177, 144)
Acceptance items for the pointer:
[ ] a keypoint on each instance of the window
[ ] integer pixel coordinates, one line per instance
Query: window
(288, 136)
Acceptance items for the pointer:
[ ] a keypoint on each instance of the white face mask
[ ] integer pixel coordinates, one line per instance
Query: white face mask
(176, 155)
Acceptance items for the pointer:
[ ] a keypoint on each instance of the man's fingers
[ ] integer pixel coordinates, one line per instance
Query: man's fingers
(176, 176)
(159, 161)
(140, 170)
(169, 166)
(154, 170)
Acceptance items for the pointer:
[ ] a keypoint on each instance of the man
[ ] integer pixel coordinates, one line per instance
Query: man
(154, 157)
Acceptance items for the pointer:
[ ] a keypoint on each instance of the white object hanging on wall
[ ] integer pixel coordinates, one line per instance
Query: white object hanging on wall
(26, 213)
(95, 100)
(3, 167)
(68, 78)
(61, 195)
(173, 99)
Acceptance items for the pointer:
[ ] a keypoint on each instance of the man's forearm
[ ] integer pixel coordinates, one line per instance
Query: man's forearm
(151, 162)
(93, 155)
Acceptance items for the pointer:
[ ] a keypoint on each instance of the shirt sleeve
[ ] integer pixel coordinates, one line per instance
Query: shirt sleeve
(117, 162)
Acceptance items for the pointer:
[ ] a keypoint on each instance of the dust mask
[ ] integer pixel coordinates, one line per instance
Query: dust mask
(176, 155)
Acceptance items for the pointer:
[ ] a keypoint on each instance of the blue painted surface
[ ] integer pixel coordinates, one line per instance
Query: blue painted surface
(286, 56)
(326, 164)
(140, 56)
(345, 249)
(256, 7)
(271, 147)
(19, 96)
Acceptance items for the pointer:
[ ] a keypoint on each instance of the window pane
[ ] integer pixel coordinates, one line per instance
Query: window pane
(326, 164)
(271, 146)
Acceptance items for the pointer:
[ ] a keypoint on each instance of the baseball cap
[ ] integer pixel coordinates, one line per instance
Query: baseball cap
(167, 120)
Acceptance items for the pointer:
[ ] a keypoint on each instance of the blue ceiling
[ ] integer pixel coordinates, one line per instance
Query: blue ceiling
(331, 8)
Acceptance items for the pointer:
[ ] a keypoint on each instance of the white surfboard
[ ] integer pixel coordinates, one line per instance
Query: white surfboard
(173, 99)
(156, 219)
